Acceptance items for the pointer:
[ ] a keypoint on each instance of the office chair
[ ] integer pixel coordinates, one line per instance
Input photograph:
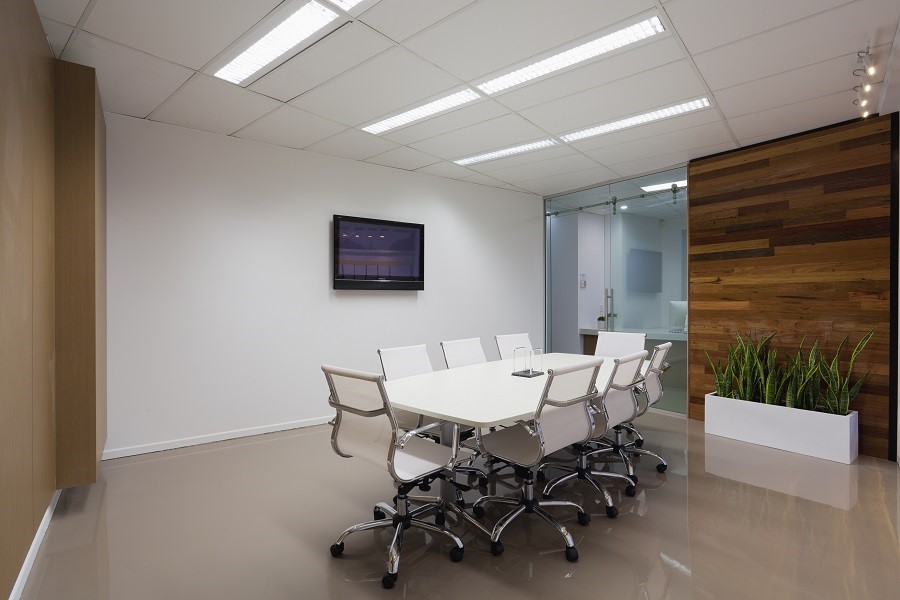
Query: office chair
(365, 427)
(609, 408)
(406, 361)
(507, 344)
(462, 353)
(619, 343)
(562, 418)
(650, 392)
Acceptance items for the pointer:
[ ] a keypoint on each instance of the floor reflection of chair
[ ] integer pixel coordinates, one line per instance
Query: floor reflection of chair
(365, 427)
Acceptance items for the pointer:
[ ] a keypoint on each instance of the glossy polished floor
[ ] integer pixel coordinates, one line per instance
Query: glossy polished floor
(254, 518)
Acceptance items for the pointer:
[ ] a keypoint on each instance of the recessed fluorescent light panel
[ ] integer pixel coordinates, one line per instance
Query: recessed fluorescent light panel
(420, 112)
(286, 35)
(655, 115)
(586, 51)
(664, 186)
(346, 4)
(506, 152)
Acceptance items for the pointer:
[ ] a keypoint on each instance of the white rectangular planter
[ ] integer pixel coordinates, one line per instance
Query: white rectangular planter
(823, 435)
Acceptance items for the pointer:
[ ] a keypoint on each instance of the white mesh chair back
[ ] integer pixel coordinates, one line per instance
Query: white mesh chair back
(364, 425)
(562, 417)
(619, 343)
(462, 353)
(619, 402)
(653, 390)
(507, 344)
(405, 361)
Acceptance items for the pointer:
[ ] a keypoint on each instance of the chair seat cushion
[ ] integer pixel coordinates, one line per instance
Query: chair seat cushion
(513, 444)
(420, 457)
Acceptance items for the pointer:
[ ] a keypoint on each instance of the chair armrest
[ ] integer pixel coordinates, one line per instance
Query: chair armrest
(527, 427)
(414, 432)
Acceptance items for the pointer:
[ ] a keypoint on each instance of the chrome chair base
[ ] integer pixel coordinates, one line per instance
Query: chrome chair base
(585, 472)
(527, 503)
(401, 518)
(625, 449)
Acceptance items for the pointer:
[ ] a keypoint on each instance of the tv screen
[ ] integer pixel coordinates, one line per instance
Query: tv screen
(644, 271)
(372, 254)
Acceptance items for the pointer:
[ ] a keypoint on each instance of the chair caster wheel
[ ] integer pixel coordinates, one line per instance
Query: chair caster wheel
(612, 512)
(478, 511)
(456, 554)
(440, 519)
(389, 580)
(584, 518)
(661, 467)
(337, 549)
(378, 515)
(630, 491)
(639, 443)
(633, 478)
(496, 548)
(571, 554)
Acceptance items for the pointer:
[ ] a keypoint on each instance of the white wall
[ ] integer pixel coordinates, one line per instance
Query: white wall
(220, 302)
(563, 283)
(591, 262)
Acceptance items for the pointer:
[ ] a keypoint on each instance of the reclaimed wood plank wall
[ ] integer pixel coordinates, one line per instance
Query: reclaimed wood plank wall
(795, 237)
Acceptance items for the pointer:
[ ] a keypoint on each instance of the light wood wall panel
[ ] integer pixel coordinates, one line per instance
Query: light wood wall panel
(27, 456)
(794, 237)
(80, 276)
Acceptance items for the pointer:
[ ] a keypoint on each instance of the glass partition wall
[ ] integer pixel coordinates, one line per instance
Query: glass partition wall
(619, 251)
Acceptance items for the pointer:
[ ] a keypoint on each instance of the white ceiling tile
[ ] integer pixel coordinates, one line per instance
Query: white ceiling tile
(526, 158)
(648, 90)
(618, 66)
(545, 168)
(667, 143)
(353, 144)
(509, 130)
(820, 79)
(498, 33)
(399, 19)
(649, 130)
(447, 169)
(569, 181)
(703, 25)
(64, 11)
(827, 35)
(188, 33)
(799, 116)
(666, 161)
(291, 127)
(131, 83)
(486, 180)
(211, 104)
(389, 82)
(57, 34)
(345, 48)
(468, 114)
(404, 158)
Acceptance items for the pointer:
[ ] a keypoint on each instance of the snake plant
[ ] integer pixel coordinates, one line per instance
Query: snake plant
(838, 390)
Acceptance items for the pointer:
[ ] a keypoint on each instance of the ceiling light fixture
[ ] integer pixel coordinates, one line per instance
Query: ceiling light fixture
(346, 4)
(420, 112)
(664, 186)
(586, 51)
(506, 152)
(866, 59)
(282, 38)
(649, 117)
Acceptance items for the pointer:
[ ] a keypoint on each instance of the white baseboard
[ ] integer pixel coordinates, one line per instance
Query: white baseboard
(212, 437)
(19, 586)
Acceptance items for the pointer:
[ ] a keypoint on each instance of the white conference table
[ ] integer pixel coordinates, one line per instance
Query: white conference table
(481, 395)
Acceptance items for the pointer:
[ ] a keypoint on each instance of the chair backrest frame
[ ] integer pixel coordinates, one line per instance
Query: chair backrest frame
(619, 343)
(463, 352)
(507, 343)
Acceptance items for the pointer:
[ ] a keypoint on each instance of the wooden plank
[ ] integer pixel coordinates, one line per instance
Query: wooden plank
(822, 201)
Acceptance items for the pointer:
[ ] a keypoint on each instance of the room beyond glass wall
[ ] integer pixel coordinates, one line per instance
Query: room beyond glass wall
(619, 251)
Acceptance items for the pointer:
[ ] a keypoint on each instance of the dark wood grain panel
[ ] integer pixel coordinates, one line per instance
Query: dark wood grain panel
(824, 203)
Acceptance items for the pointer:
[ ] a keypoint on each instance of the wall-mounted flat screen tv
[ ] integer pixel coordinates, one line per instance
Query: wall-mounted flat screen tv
(372, 254)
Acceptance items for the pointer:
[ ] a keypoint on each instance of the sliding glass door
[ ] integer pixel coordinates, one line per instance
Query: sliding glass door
(628, 243)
